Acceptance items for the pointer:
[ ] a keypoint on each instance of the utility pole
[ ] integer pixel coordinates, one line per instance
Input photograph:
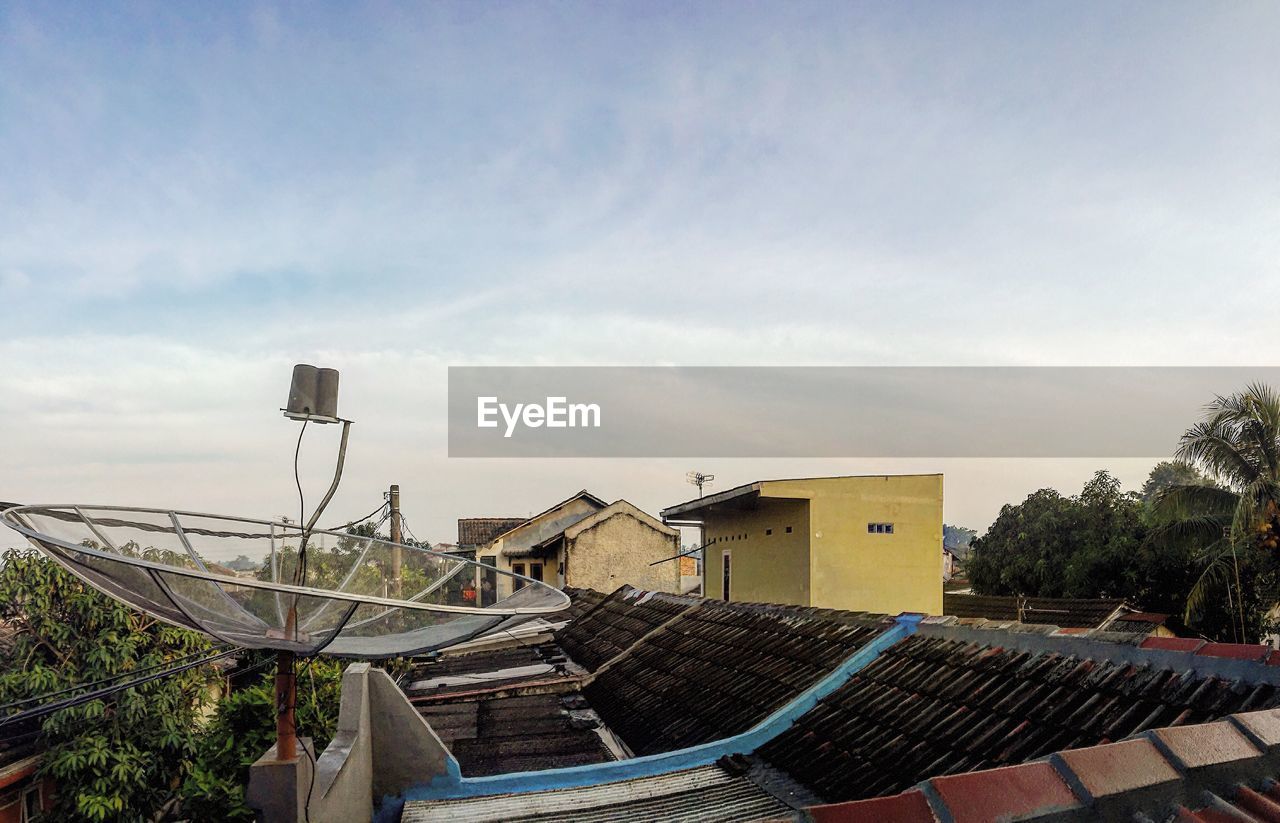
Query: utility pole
(395, 538)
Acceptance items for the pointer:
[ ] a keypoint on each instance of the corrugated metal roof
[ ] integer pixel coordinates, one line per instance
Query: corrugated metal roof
(703, 795)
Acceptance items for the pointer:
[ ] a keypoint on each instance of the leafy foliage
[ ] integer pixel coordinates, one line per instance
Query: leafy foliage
(1201, 542)
(1170, 473)
(1231, 525)
(243, 727)
(1089, 545)
(118, 758)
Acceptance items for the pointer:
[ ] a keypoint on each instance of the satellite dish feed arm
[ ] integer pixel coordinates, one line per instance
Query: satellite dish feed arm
(337, 478)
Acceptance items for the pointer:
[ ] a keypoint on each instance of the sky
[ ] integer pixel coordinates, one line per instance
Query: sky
(193, 197)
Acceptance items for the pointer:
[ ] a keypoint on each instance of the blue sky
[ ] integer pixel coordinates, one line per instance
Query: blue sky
(193, 197)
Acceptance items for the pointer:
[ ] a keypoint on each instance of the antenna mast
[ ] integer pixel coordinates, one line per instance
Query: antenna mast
(699, 479)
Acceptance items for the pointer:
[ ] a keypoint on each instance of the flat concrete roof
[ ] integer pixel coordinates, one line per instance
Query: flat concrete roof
(675, 512)
(712, 499)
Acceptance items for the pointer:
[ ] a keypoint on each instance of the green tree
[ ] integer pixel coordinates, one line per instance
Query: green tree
(1231, 526)
(118, 758)
(1169, 473)
(243, 727)
(1088, 545)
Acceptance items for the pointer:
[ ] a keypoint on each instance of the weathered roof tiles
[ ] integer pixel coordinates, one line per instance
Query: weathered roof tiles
(932, 706)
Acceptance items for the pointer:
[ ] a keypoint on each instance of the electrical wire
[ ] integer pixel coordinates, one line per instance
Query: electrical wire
(694, 550)
(293, 719)
(404, 525)
(367, 517)
(78, 700)
(79, 686)
(302, 509)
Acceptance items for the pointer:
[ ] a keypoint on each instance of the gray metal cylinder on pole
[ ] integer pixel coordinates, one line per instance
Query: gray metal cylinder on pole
(302, 391)
(327, 393)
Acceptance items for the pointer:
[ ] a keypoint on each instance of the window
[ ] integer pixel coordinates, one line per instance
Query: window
(788, 530)
(517, 584)
(879, 528)
(768, 532)
(725, 575)
(488, 580)
(535, 571)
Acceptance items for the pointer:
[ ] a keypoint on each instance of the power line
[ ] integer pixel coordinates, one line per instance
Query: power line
(368, 516)
(79, 686)
(72, 702)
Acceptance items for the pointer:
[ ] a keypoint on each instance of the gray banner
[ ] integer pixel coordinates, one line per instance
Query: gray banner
(622, 411)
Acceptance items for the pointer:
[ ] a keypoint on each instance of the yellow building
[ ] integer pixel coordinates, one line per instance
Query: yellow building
(870, 543)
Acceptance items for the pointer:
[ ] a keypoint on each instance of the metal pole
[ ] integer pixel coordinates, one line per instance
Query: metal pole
(395, 538)
(286, 700)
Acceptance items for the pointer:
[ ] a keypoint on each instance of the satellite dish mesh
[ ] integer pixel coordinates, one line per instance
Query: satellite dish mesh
(238, 580)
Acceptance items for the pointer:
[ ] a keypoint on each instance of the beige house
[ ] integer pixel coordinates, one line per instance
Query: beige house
(584, 542)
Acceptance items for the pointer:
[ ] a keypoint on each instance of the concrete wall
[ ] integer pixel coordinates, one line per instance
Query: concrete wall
(618, 549)
(766, 568)
(381, 747)
(535, 531)
(829, 559)
(852, 569)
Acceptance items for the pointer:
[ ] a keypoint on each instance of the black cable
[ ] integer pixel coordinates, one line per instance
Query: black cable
(302, 510)
(72, 702)
(404, 525)
(293, 714)
(368, 516)
(114, 677)
(694, 550)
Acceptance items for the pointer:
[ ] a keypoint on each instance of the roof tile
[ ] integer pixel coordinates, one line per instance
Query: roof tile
(1264, 726)
(1172, 644)
(1005, 793)
(1115, 768)
(1206, 744)
(1235, 651)
(908, 807)
(477, 531)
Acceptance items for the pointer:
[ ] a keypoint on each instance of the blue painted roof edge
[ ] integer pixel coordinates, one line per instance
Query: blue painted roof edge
(452, 785)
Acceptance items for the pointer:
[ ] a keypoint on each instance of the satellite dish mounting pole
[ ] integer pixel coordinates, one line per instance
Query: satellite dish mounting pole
(313, 398)
(286, 700)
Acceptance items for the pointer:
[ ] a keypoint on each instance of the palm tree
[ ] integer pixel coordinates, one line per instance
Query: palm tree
(1235, 522)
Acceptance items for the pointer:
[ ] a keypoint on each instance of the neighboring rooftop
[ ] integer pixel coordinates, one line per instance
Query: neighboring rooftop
(617, 622)
(679, 797)
(1066, 613)
(717, 669)
(479, 531)
(1220, 772)
(764, 711)
(970, 699)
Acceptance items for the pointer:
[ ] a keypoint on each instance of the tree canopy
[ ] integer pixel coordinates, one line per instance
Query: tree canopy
(117, 758)
(1086, 545)
(1231, 524)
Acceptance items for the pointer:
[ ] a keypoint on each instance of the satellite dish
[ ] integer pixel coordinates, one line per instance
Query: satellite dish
(232, 578)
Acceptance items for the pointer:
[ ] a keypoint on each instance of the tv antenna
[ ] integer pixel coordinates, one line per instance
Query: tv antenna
(174, 566)
(699, 479)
